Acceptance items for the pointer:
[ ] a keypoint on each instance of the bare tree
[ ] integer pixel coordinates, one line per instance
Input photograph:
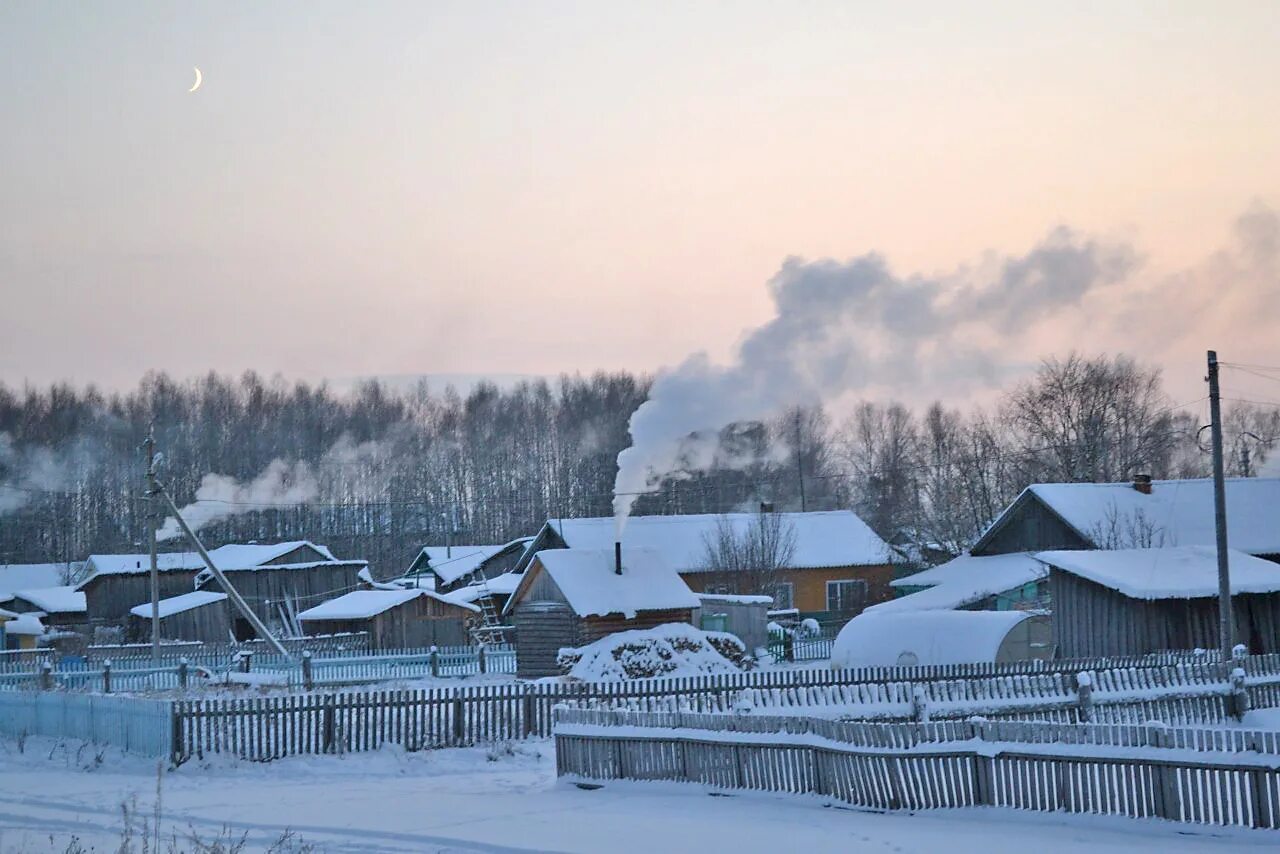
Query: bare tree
(748, 560)
(1129, 531)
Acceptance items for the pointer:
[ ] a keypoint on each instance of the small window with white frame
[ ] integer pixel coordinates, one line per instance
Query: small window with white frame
(847, 596)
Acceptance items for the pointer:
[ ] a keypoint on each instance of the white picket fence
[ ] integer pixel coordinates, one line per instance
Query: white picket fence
(1185, 775)
(138, 726)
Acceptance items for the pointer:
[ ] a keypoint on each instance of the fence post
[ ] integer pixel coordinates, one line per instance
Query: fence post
(434, 659)
(984, 779)
(46, 676)
(480, 659)
(919, 705)
(527, 712)
(106, 676)
(1239, 694)
(308, 680)
(327, 723)
(459, 721)
(182, 673)
(1084, 695)
(245, 658)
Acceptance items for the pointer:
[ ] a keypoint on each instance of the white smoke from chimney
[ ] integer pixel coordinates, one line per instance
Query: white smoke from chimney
(843, 326)
(220, 497)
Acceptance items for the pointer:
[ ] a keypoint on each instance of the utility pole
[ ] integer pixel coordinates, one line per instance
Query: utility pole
(800, 463)
(152, 519)
(1226, 623)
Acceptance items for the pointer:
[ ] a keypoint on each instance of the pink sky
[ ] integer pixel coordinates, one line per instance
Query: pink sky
(432, 188)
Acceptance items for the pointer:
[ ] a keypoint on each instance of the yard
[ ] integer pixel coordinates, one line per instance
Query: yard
(499, 799)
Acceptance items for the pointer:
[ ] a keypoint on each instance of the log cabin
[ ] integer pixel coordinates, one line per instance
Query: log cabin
(571, 597)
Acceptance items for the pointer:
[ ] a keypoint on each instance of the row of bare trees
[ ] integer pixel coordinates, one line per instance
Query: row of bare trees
(396, 469)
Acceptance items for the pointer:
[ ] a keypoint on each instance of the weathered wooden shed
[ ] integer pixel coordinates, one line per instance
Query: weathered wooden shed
(917, 638)
(394, 619)
(201, 615)
(1135, 601)
(265, 575)
(571, 597)
(745, 617)
(62, 607)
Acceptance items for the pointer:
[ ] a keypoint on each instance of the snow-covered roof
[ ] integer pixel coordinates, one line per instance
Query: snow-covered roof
(500, 585)
(1177, 572)
(1176, 513)
(923, 637)
(822, 539)
(54, 600)
(588, 581)
(228, 557)
(363, 604)
(178, 604)
(25, 576)
(963, 581)
(454, 562)
(23, 624)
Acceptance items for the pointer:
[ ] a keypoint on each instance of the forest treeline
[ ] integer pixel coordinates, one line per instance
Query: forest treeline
(387, 471)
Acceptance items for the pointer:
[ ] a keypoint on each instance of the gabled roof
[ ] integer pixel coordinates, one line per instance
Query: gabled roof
(54, 600)
(1176, 513)
(178, 604)
(450, 563)
(963, 581)
(232, 556)
(363, 604)
(1178, 572)
(589, 583)
(23, 624)
(822, 539)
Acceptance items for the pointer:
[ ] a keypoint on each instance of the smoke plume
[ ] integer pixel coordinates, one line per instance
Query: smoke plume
(842, 326)
(27, 472)
(220, 497)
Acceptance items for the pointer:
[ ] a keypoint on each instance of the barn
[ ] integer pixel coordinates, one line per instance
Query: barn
(1136, 601)
(394, 619)
(271, 577)
(201, 615)
(571, 597)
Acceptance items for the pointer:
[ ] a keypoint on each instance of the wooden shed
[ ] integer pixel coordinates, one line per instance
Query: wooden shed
(571, 597)
(745, 617)
(201, 615)
(1135, 601)
(266, 575)
(394, 619)
(917, 638)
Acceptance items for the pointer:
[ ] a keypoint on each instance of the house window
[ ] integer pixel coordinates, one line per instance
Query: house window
(783, 595)
(847, 596)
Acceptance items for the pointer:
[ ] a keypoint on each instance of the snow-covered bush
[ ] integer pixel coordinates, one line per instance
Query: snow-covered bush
(670, 650)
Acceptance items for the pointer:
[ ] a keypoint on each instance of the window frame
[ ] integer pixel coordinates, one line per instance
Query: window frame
(860, 582)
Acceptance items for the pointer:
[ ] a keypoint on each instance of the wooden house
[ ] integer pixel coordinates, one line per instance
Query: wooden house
(452, 567)
(394, 619)
(920, 638)
(60, 607)
(838, 565)
(271, 578)
(1135, 601)
(1143, 514)
(19, 631)
(571, 597)
(201, 615)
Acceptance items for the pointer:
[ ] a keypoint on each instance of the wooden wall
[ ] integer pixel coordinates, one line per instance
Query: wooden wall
(210, 623)
(1030, 527)
(808, 586)
(542, 628)
(418, 623)
(1092, 620)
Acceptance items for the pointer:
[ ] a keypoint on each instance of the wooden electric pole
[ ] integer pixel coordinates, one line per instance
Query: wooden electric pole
(152, 519)
(1226, 623)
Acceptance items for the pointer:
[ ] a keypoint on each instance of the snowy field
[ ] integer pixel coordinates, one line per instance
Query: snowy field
(501, 800)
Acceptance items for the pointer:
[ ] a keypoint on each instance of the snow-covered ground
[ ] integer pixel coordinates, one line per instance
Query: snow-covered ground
(506, 800)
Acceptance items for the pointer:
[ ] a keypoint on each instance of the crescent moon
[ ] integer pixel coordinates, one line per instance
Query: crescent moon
(199, 80)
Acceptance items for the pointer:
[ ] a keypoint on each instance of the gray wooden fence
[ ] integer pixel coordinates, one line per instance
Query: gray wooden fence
(1210, 777)
(269, 727)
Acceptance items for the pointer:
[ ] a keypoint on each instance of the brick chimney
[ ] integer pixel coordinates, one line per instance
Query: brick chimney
(1142, 483)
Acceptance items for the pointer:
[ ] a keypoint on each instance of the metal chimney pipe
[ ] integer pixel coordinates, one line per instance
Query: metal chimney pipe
(617, 558)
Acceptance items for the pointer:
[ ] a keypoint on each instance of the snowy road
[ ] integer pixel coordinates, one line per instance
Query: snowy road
(462, 800)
